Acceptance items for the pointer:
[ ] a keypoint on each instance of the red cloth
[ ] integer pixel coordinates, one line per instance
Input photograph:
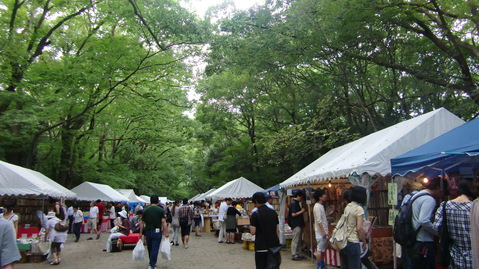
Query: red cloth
(132, 238)
(28, 231)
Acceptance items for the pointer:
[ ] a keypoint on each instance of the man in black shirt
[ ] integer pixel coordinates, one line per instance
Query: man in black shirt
(296, 222)
(264, 224)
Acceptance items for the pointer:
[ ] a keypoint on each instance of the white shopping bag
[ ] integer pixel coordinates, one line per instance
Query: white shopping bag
(165, 249)
(139, 252)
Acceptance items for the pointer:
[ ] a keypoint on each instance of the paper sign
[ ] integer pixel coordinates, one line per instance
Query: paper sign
(392, 216)
(392, 194)
(289, 192)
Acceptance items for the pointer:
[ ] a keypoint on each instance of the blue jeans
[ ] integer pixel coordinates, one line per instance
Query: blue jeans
(153, 240)
(351, 256)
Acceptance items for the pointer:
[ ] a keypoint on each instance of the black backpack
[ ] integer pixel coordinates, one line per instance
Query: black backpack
(404, 233)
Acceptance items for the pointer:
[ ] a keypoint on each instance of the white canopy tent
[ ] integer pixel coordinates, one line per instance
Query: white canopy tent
(238, 188)
(88, 191)
(20, 181)
(130, 194)
(372, 154)
(145, 198)
(203, 195)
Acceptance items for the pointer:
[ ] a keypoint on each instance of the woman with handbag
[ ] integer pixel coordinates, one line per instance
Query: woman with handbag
(351, 254)
(457, 215)
(175, 222)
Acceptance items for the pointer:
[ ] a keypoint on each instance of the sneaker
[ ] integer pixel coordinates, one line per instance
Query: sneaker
(90, 238)
(186, 247)
(220, 241)
(97, 236)
(176, 244)
(296, 258)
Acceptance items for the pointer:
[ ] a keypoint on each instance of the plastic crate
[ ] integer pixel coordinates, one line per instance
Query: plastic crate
(249, 245)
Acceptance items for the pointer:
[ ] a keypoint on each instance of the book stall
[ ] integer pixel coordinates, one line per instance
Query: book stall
(30, 191)
(365, 162)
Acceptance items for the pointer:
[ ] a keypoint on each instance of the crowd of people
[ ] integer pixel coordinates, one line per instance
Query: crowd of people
(155, 220)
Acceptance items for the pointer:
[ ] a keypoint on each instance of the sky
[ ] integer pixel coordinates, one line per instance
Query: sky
(200, 6)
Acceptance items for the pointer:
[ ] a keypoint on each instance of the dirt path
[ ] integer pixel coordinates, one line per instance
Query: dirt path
(203, 252)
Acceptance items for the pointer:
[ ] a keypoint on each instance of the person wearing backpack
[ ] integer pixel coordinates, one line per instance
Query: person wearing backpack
(186, 215)
(351, 254)
(423, 252)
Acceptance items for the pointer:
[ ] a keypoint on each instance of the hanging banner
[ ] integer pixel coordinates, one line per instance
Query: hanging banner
(392, 194)
(392, 216)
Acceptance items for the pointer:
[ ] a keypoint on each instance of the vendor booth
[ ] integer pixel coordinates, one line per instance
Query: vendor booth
(453, 156)
(31, 191)
(365, 162)
(89, 191)
(240, 188)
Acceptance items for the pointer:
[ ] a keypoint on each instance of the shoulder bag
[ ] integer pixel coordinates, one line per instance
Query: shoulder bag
(444, 255)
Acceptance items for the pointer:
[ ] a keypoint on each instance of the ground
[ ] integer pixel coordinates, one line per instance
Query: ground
(203, 252)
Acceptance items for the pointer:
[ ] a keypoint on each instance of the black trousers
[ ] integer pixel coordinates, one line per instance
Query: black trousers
(261, 259)
(76, 230)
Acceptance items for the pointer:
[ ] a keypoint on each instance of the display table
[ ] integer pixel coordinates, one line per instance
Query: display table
(206, 224)
(32, 250)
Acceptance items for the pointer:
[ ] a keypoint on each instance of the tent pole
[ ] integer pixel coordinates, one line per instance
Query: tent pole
(282, 206)
(394, 243)
(310, 223)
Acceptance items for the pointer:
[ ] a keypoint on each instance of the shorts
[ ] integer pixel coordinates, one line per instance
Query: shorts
(185, 230)
(91, 224)
(197, 221)
(322, 242)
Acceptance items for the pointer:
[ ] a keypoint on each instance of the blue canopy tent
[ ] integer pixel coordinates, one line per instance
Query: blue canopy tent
(456, 150)
(274, 189)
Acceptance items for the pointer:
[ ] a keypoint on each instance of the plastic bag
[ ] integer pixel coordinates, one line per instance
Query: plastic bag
(138, 252)
(165, 249)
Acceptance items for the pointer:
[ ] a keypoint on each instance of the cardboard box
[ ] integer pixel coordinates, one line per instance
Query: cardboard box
(243, 221)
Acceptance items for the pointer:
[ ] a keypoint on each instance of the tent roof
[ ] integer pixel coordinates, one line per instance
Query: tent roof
(89, 191)
(145, 198)
(203, 195)
(238, 188)
(456, 148)
(371, 154)
(17, 180)
(130, 194)
(274, 189)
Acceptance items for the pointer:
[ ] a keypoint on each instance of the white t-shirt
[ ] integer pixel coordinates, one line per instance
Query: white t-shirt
(12, 218)
(53, 235)
(320, 219)
(267, 204)
(78, 216)
(93, 212)
(222, 212)
(112, 212)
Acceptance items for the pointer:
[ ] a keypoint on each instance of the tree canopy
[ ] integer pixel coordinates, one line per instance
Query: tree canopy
(99, 91)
